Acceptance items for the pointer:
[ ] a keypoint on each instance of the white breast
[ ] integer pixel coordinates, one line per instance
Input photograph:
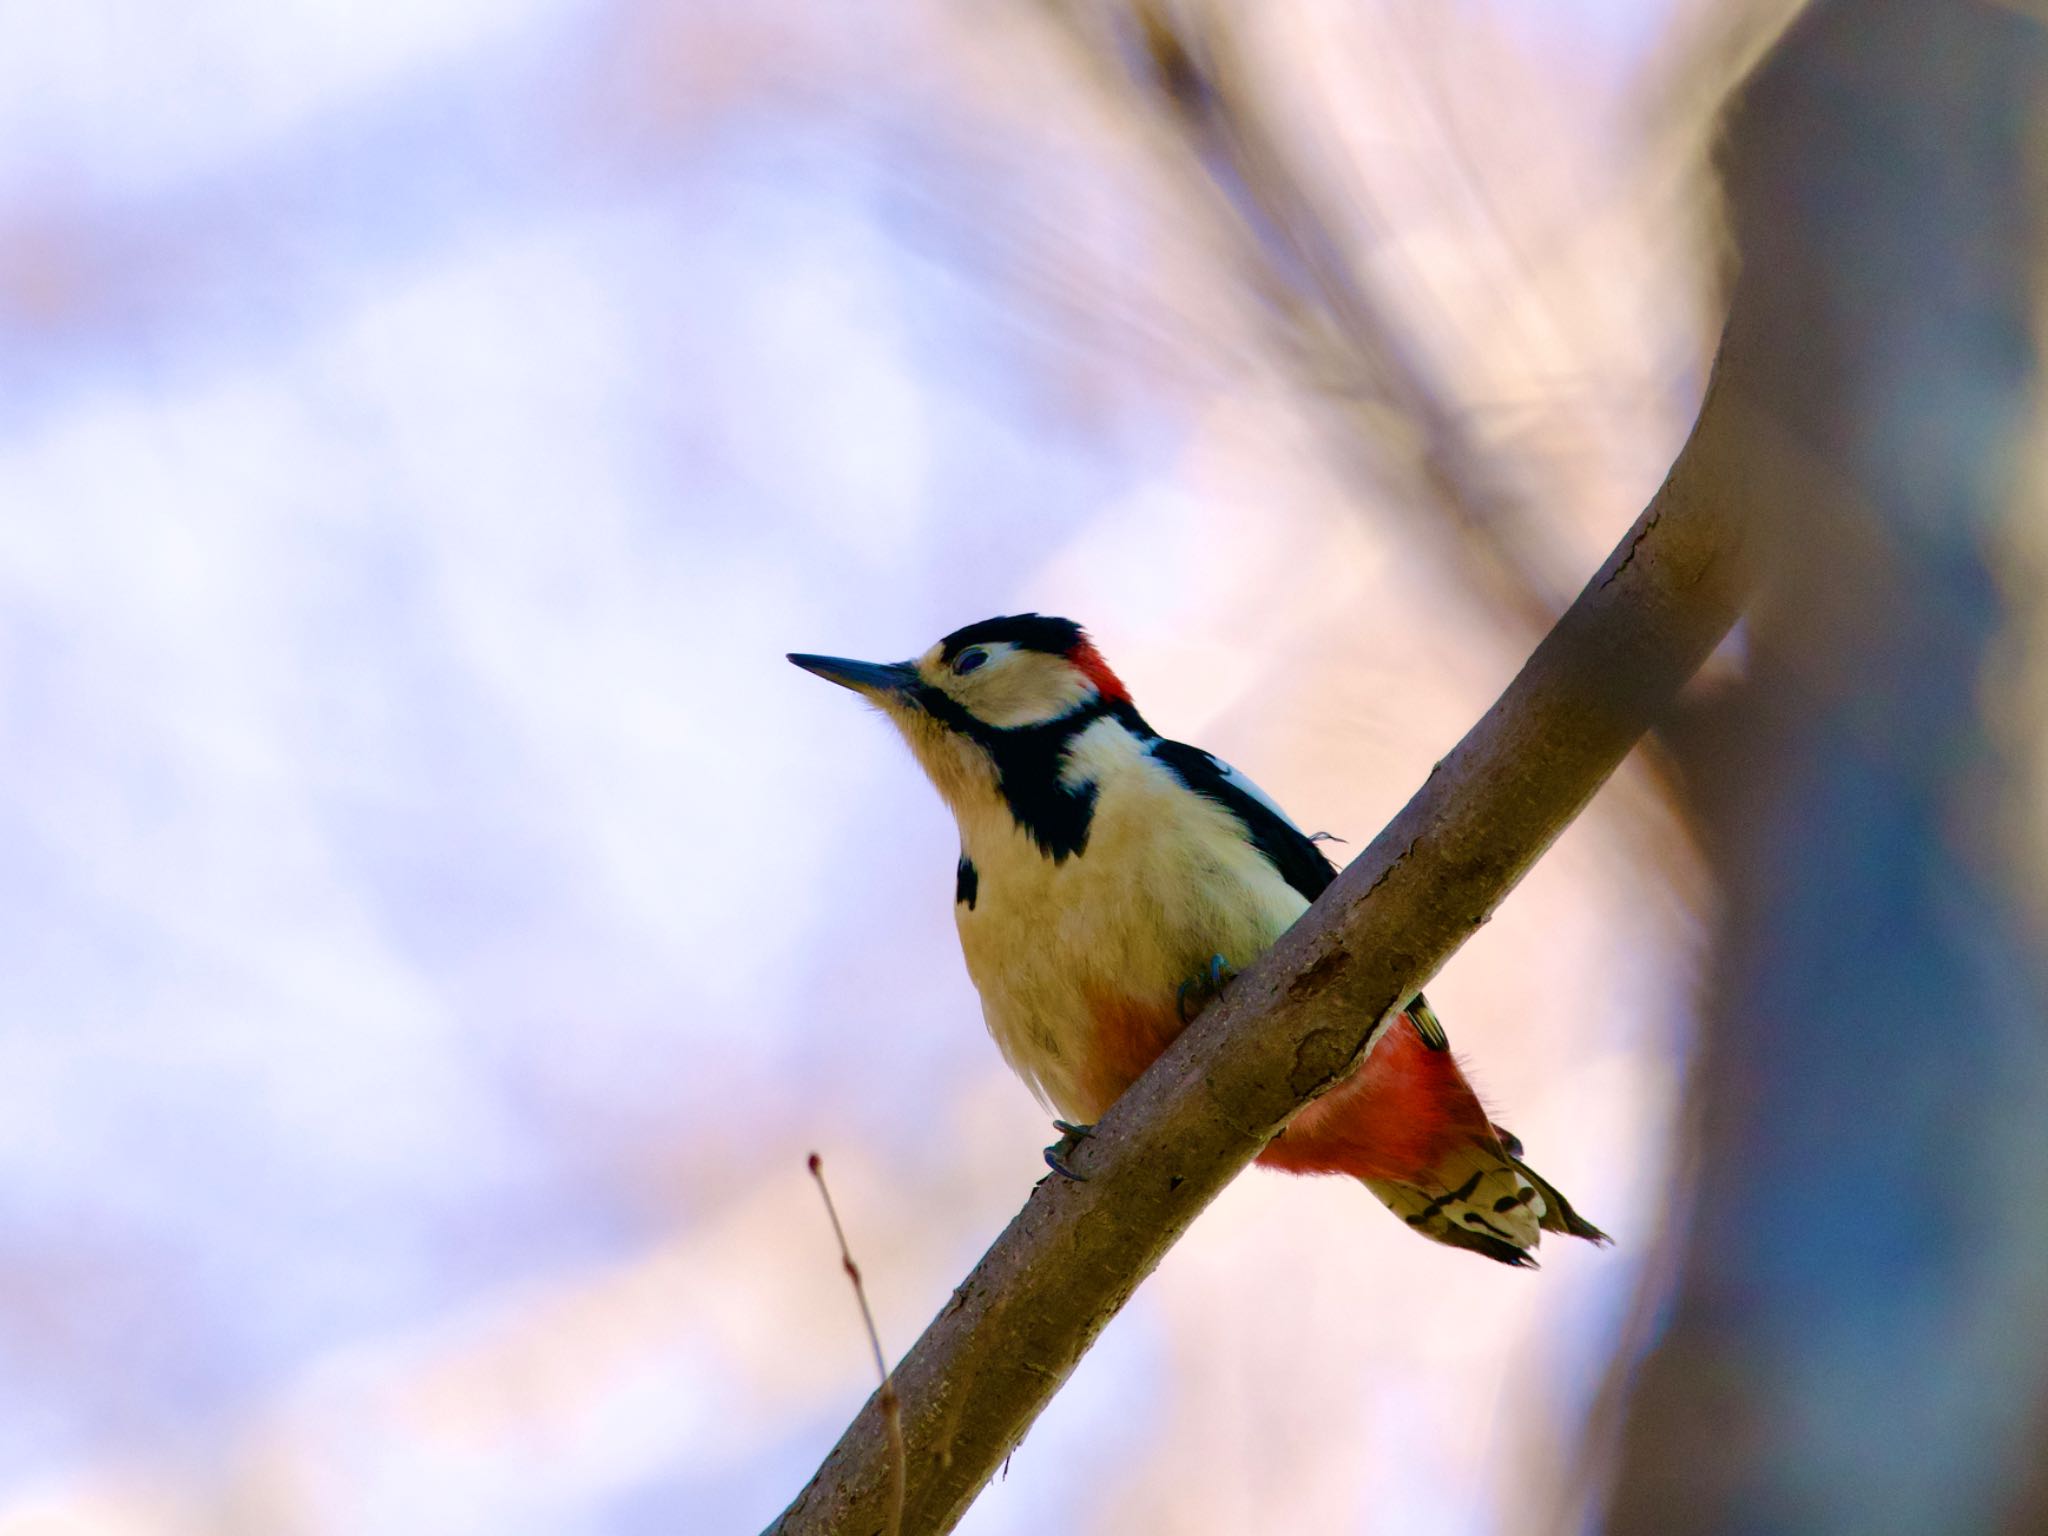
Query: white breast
(1167, 879)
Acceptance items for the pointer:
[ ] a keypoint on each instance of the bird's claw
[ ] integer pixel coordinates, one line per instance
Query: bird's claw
(1056, 1155)
(1215, 976)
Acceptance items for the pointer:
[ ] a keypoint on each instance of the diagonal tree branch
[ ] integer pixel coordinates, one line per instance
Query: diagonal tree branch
(1297, 1021)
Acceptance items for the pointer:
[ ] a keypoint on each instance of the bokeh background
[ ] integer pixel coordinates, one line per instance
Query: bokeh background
(435, 923)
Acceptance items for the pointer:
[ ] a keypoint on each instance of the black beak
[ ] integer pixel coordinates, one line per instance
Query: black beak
(874, 678)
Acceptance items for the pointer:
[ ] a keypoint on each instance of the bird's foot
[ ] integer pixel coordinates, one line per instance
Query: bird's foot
(1197, 992)
(1056, 1155)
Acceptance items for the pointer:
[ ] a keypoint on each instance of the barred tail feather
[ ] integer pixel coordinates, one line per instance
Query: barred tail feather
(1409, 1127)
(1558, 1215)
(1499, 1206)
(1477, 1198)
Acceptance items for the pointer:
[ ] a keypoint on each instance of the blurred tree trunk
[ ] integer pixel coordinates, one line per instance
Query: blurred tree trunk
(1860, 1336)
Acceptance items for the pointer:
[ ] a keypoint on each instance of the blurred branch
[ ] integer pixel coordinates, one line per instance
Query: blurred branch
(1343, 336)
(1391, 417)
(1710, 48)
(1299, 1020)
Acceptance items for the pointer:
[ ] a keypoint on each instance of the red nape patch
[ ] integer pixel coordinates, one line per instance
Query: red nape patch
(1087, 660)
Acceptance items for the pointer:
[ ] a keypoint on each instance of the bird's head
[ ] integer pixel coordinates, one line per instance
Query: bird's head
(982, 691)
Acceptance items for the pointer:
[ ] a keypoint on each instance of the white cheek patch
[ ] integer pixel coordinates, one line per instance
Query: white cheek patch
(1025, 688)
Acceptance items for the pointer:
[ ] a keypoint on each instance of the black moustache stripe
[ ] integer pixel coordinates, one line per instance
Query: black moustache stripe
(1029, 761)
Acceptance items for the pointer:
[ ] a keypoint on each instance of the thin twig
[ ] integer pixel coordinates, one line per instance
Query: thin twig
(885, 1397)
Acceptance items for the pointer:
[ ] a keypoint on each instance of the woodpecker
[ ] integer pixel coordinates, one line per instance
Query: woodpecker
(1111, 881)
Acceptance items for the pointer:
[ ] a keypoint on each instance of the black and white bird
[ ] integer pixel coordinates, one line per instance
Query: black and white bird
(1108, 875)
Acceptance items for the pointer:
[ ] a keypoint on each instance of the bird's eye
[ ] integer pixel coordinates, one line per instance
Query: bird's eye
(969, 659)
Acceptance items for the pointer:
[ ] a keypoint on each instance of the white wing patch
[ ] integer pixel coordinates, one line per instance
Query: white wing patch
(1243, 782)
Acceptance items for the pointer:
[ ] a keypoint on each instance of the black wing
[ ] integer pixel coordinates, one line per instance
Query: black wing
(1286, 847)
